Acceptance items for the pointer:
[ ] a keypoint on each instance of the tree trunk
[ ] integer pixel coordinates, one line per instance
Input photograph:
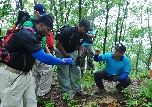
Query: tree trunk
(80, 9)
(138, 54)
(61, 13)
(148, 64)
(122, 23)
(106, 26)
(116, 35)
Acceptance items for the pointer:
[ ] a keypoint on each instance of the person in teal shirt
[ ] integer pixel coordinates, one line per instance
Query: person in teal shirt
(117, 68)
(87, 51)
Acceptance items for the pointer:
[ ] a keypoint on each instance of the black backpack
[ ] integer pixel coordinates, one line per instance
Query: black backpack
(59, 31)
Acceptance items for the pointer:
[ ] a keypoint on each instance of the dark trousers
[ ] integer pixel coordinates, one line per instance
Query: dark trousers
(102, 74)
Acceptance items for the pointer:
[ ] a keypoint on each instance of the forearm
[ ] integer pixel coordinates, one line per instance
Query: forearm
(54, 48)
(47, 50)
(61, 48)
(90, 35)
(97, 58)
(79, 50)
(47, 59)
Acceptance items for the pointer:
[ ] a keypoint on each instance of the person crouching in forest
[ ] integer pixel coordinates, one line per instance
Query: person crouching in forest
(117, 68)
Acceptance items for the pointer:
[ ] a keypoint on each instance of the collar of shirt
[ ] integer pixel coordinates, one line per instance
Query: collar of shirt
(119, 59)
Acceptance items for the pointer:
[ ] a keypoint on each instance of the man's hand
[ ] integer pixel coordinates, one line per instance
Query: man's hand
(124, 75)
(96, 56)
(97, 51)
(68, 61)
(116, 78)
(78, 60)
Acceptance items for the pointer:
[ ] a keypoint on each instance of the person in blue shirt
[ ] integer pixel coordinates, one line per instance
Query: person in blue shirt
(87, 51)
(117, 68)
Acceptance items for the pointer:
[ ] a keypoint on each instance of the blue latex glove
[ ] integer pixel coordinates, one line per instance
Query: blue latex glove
(97, 58)
(68, 61)
(124, 75)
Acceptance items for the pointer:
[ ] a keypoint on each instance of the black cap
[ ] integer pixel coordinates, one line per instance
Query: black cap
(85, 22)
(91, 29)
(46, 19)
(120, 47)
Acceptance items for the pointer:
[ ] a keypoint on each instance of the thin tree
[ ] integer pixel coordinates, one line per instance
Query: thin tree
(68, 11)
(122, 23)
(149, 30)
(117, 24)
(80, 9)
(140, 45)
(106, 26)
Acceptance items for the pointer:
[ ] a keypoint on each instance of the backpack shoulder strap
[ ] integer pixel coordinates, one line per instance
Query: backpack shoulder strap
(73, 28)
(29, 28)
(73, 31)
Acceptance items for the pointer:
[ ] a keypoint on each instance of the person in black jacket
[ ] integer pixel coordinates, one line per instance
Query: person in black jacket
(69, 45)
(18, 85)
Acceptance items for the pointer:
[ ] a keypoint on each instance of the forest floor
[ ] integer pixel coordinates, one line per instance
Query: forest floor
(109, 98)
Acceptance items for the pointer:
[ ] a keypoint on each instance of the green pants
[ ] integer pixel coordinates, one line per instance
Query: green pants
(69, 75)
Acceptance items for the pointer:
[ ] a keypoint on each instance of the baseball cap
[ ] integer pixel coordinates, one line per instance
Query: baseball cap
(120, 47)
(46, 19)
(85, 22)
(40, 9)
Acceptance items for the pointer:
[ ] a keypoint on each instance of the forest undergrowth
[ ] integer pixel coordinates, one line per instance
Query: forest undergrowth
(138, 94)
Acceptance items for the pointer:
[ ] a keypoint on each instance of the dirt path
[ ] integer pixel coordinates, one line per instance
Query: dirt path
(109, 98)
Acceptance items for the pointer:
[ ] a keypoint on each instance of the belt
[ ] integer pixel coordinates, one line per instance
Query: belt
(14, 70)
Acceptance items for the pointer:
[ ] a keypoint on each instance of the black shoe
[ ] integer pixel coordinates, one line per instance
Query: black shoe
(119, 88)
(81, 94)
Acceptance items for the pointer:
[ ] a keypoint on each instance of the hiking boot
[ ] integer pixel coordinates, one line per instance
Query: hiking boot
(119, 88)
(100, 91)
(81, 94)
(71, 96)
